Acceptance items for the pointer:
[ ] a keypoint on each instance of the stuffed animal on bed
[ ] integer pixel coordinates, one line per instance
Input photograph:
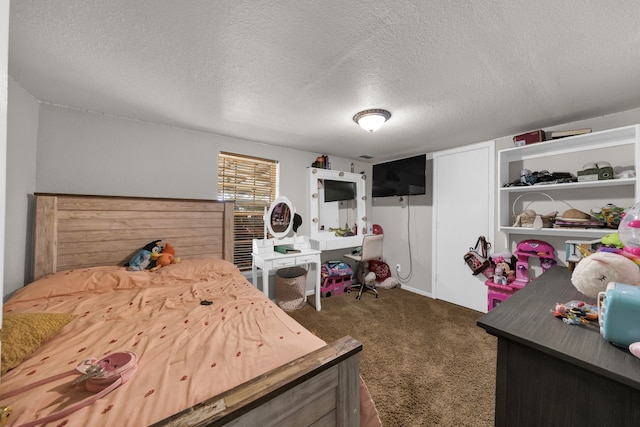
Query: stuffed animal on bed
(142, 258)
(166, 257)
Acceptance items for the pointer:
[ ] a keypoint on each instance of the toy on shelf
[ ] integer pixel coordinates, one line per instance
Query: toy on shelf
(612, 240)
(575, 250)
(610, 215)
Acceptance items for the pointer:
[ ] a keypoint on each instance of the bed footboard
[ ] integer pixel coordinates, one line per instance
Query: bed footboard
(321, 387)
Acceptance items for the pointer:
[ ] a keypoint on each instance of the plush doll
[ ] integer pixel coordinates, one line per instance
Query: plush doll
(593, 273)
(612, 240)
(142, 258)
(499, 275)
(634, 348)
(166, 257)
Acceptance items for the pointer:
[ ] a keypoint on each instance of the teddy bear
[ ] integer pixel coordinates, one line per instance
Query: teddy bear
(166, 257)
(142, 258)
(593, 273)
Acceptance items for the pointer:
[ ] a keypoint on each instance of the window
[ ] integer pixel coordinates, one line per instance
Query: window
(251, 183)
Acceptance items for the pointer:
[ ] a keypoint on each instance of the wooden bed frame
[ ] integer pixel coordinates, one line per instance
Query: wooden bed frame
(75, 231)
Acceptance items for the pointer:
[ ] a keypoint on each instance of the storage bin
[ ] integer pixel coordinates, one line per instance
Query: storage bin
(291, 286)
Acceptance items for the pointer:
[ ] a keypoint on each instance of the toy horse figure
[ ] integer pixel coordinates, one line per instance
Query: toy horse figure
(532, 248)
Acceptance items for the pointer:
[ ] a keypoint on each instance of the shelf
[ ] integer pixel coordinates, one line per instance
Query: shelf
(568, 232)
(328, 243)
(590, 141)
(619, 146)
(570, 185)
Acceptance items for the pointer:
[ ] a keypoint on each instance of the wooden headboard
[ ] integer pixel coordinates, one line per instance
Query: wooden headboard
(74, 231)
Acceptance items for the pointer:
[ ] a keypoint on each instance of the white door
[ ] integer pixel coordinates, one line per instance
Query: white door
(463, 209)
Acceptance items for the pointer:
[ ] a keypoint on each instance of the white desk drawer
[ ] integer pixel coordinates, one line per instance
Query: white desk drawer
(284, 262)
(305, 259)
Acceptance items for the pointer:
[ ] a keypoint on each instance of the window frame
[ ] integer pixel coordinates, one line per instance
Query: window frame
(241, 179)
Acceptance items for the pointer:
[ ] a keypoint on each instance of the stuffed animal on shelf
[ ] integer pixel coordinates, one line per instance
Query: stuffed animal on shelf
(142, 258)
(593, 273)
(166, 257)
(612, 240)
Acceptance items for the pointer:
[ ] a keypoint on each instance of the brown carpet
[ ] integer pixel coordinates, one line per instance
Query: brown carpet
(425, 361)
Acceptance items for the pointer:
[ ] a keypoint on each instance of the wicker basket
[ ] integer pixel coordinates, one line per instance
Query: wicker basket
(529, 221)
(291, 286)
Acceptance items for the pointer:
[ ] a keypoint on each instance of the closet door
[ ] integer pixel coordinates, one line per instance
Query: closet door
(463, 209)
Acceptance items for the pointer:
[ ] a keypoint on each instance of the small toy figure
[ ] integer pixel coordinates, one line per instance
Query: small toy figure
(498, 276)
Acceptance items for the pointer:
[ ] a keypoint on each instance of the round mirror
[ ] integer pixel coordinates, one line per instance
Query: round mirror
(279, 219)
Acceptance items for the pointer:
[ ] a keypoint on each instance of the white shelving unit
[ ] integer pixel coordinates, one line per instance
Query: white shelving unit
(617, 146)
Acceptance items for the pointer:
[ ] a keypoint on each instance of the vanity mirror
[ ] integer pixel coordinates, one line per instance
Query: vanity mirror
(325, 186)
(278, 220)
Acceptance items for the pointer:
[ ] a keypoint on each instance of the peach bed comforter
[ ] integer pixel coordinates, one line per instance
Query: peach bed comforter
(187, 352)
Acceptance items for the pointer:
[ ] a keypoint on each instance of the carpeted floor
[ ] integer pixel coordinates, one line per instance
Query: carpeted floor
(425, 361)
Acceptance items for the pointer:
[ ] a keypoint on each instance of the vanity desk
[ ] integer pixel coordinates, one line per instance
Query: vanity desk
(550, 373)
(266, 258)
(330, 242)
(281, 221)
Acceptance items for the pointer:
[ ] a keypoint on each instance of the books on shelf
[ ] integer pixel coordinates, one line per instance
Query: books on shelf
(577, 223)
(564, 133)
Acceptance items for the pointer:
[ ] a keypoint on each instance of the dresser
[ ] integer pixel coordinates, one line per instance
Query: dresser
(553, 374)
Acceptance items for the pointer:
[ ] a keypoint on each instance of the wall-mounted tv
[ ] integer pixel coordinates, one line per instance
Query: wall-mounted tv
(339, 190)
(403, 177)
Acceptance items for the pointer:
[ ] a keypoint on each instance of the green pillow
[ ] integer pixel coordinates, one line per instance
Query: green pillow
(23, 333)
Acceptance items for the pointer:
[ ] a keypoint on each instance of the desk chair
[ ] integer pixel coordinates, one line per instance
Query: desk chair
(371, 249)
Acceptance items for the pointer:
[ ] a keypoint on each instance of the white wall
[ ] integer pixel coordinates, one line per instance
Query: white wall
(22, 131)
(407, 235)
(80, 152)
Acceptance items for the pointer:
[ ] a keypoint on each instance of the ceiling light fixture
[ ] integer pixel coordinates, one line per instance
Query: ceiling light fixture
(371, 120)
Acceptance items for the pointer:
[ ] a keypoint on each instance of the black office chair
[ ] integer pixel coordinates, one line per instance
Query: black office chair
(371, 249)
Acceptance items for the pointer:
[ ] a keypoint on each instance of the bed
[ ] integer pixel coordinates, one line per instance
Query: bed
(211, 348)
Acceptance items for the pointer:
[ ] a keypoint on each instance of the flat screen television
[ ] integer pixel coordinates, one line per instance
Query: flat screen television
(339, 190)
(403, 177)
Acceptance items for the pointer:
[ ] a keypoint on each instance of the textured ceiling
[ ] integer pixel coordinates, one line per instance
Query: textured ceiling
(293, 73)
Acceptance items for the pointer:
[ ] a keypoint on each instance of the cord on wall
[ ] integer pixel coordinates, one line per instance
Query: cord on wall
(405, 279)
